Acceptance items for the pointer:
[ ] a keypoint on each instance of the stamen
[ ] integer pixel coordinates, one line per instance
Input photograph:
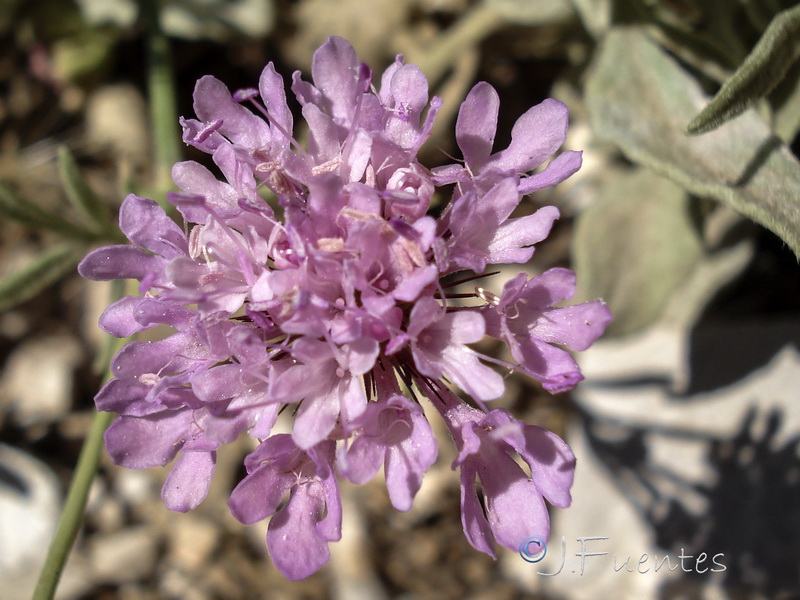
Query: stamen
(487, 296)
(468, 279)
(326, 167)
(244, 95)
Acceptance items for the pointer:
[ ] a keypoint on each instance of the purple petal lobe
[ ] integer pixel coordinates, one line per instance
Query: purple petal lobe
(560, 168)
(477, 123)
(147, 225)
(119, 262)
(137, 442)
(536, 136)
(187, 484)
(294, 544)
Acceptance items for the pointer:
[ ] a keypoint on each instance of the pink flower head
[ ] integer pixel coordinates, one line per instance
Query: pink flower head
(331, 294)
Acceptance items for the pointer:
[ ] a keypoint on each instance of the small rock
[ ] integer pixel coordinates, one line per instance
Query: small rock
(125, 556)
(38, 379)
(116, 119)
(29, 509)
(134, 486)
(192, 541)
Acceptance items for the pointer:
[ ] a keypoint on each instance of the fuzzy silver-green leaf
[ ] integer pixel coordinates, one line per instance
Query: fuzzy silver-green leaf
(761, 71)
(639, 98)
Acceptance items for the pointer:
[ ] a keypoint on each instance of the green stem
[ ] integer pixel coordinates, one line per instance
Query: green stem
(72, 514)
(163, 108)
(85, 471)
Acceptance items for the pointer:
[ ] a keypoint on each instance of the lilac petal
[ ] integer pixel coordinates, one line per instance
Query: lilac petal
(296, 383)
(203, 136)
(576, 327)
(171, 393)
(554, 367)
(535, 137)
(447, 174)
(513, 242)
(552, 464)
(426, 310)
(542, 291)
(294, 545)
(411, 287)
(194, 178)
(361, 355)
(213, 101)
(239, 177)
(153, 311)
(264, 421)
(466, 327)
(330, 528)
(426, 364)
(480, 229)
(178, 352)
(560, 168)
(440, 349)
(463, 420)
(507, 247)
(323, 455)
(218, 383)
(259, 494)
(275, 451)
(385, 92)
(189, 274)
(226, 427)
(187, 484)
(151, 441)
(119, 262)
(362, 459)
(352, 398)
(356, 156)
(407, 461)
(273, 93)
(498, 203)
(315, 419)
(427, 126)
(334, 69)
(473, 520)
(147, 225)
(125, 397)
(410, 95)
(464, 369)
(311, 351)
(323, 134)
(477, 124)
(410, 90)
(396, 344)
(514, 507)
(425, 228)
(119, 318)
(371, 113)
(304, 91)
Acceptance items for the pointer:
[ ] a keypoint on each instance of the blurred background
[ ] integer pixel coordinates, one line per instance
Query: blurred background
(687, 427)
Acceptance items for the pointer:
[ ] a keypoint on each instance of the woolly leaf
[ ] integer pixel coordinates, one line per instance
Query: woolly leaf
(640, 98)
(761, 71)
